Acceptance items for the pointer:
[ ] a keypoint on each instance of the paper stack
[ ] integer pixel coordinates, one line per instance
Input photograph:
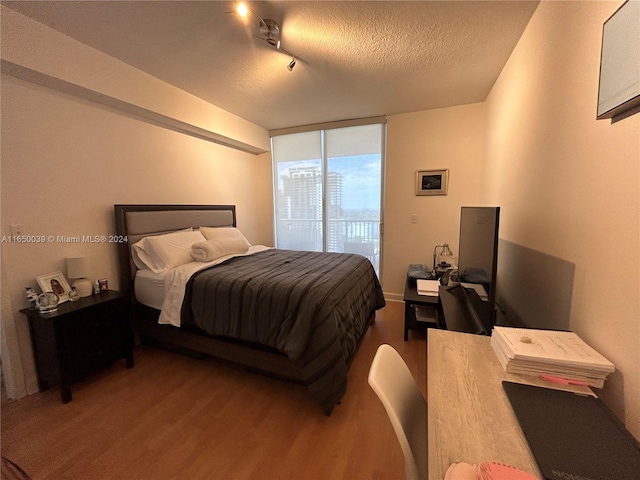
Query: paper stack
(552, 355)
(428, 287)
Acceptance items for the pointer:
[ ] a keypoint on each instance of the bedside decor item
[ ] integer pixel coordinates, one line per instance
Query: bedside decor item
(445, 258)
(32, 296)
(432, 182)
(47, 302)
(619, 89)
(74, 295)
(56, 283)
(80, 268)
(103, 285)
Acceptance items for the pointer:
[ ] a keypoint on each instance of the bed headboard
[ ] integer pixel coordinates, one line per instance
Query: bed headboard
(137, 221)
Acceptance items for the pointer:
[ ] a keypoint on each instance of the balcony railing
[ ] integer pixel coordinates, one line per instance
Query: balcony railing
(349, 236)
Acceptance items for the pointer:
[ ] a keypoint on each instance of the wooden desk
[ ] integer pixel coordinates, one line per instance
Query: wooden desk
(469, 416)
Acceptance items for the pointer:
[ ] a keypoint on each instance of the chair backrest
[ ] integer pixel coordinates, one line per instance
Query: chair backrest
(392, 381)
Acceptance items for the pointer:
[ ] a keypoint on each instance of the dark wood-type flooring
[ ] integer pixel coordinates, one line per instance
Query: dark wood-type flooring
(175, 417)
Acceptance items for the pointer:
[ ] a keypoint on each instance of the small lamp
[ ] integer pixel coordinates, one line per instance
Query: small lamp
(445, 254)
(80, 268)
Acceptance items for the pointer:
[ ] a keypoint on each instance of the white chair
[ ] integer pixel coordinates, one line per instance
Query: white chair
(392, 381)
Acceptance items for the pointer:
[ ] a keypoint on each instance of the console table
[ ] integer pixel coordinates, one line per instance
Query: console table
(469, 416)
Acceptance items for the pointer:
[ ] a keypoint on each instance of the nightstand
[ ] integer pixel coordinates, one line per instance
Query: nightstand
(79, 338)
(420, 311)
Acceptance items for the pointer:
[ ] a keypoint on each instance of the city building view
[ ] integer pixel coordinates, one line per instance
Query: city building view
(351, 213)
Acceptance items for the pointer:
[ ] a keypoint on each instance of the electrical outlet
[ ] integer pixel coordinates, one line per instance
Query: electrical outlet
(17, 230)
(414, 218)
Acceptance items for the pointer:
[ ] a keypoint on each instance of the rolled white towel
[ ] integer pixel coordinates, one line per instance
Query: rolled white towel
(216, 248)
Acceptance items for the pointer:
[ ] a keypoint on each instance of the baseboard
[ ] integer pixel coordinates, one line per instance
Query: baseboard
(393, 297)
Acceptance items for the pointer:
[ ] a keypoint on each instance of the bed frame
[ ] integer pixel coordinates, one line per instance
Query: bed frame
(137, 221)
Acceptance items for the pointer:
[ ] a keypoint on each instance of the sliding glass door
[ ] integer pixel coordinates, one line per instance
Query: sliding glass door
(328, 190)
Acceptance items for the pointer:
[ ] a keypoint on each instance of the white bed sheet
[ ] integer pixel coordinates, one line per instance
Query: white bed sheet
(165, 291)
(149, 287)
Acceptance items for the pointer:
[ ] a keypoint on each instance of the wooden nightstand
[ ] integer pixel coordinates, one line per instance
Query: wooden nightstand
(413, 303)
(80, 338)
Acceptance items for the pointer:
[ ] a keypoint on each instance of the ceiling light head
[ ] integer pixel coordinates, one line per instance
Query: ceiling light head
(242, 10)
(270, 30)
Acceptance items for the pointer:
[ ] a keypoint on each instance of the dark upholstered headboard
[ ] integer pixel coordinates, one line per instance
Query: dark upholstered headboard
(138, 221)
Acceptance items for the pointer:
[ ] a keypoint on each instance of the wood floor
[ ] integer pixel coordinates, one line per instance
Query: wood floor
(174, 417)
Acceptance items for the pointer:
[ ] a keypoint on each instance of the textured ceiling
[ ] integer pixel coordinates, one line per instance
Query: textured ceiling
(356, 59)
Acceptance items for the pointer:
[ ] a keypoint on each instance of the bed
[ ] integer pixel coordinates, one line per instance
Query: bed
(299, 316)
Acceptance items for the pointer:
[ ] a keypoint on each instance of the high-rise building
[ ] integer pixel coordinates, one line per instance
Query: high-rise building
(301, 199)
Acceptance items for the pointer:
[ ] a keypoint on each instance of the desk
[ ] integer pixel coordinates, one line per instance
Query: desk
(469, 416)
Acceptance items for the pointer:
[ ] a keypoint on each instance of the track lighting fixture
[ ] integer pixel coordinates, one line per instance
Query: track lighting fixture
(269, 29)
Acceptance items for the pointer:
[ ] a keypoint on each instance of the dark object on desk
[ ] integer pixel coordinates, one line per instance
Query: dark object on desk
(574, 436)
(464, 311)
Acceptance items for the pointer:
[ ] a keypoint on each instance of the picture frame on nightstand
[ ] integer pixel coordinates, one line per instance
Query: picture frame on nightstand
(103, 285)
(56, 283)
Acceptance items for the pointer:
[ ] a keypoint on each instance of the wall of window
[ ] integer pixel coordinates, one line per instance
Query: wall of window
(328, 190)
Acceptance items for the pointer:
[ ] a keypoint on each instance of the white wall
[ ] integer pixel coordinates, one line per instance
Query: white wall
(66, 161)
(569, 185)
(450, 138)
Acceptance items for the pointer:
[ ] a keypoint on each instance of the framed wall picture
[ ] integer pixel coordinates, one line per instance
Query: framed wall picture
(619, 89)
(56, 283)
(432, 182)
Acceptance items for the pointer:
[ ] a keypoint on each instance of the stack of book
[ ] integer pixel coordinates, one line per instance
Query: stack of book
(428, 287)
(561, 357)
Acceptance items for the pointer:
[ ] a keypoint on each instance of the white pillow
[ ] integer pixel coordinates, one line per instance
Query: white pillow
(215, 233)
(159, 253)
(211, 249)
(140, 247)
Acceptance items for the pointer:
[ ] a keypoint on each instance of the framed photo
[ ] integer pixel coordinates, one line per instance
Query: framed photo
(432, 182)
(103, 285)
(619, 89)
(56, 283)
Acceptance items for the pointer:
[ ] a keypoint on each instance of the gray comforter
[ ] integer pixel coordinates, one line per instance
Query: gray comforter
(313, 307)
